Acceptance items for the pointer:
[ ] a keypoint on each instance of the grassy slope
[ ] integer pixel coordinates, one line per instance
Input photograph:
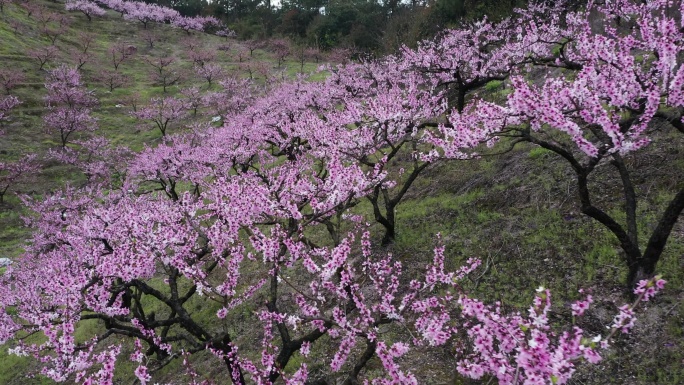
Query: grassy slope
(518, 212)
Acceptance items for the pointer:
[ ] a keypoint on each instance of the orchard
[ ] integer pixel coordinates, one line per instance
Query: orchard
(279, 219)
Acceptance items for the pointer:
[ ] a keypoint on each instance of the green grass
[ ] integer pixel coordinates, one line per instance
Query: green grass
(539, 153)
(494, 85)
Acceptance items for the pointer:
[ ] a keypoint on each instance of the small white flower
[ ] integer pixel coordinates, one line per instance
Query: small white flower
(292, 320)
(18, 351)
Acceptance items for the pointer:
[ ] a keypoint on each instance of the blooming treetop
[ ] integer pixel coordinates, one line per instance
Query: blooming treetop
(6, 104)
(69, 104)
(88, 8)
(11, 172)
(605, 86)
(96, 158)
(163, 111)
(10, 79)
(145, 13)
(196, 23)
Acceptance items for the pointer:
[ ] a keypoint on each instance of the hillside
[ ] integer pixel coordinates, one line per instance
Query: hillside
(25, 132)
(134, 86)
(514, 207)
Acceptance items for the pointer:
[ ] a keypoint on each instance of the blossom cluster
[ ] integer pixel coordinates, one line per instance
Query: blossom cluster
(144, 13)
